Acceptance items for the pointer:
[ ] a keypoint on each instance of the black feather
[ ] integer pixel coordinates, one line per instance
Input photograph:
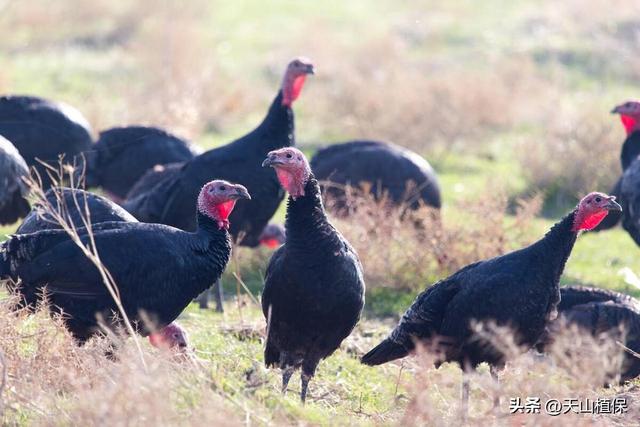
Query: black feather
(518, 290)
(100, 210)
(630, 191)
(42, 129)
(314, 287)
(604, 314)
(13, 188)
(388, 169)
(158, 270)
(123, 155)
(171, 200)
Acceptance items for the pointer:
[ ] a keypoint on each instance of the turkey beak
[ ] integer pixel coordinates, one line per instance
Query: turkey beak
(615, 110)
(271, 161)
(612, 205)
(310, 69)
(241, 193)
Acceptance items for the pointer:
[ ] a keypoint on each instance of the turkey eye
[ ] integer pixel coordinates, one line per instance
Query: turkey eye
(289, 155)
(222, 188)
(598, 199)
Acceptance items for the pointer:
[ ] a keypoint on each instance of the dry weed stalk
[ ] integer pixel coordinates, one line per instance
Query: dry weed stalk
(59, 213)
(51, 381)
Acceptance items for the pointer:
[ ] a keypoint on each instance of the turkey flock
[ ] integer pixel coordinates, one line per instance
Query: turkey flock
(185, 209)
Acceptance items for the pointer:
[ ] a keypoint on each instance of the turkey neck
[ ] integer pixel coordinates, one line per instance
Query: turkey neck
(307, 225)
(215, 239)
(630, 149)
(277, 130)
(555, 247)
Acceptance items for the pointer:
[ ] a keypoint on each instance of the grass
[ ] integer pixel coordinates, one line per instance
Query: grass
(505, 99)
(342, 390)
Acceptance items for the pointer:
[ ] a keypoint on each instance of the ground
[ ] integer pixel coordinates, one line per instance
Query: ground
(507, 100)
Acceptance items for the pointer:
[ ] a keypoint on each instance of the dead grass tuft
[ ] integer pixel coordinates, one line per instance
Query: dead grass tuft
(574, 369)
(49, 380)
(406, 249)
(571, 160)
(424, 105)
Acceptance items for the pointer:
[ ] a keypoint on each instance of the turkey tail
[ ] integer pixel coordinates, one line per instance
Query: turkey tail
(384, 352)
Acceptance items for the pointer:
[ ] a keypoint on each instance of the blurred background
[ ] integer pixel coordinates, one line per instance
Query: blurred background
(519, 90)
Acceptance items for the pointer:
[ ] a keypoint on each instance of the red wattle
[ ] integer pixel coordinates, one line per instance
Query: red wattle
(156, 339)
(629, 123)
(292, 90)
(592, 220)
(224, 209)
(298, 82)
(285, 178)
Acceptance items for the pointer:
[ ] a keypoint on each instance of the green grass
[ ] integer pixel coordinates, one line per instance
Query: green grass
(344, 391)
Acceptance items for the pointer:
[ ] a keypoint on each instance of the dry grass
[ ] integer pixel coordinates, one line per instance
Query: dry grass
(407, 249)
(575, 368)
(183, 89)
(421, 104)
(568, 161)
(51, 381)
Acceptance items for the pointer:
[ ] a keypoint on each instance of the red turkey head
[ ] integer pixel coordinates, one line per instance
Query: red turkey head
(292, 168)
(171, 337)
(629, 115)
(218, 198)
(592, 209)
(294, 78)
(272, 236)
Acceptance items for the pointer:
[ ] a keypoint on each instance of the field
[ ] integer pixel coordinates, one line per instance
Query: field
(509, 101)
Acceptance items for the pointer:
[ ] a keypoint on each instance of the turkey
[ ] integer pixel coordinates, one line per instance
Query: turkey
(152, 177)
(384, 168)
(170, 201)
(273, 235)
(172, 337)
(518, 289)
(66, 201)
(614, 217)
(629, 116)
(44, 130)
(158, 269)
(123, 155)
(13, 188)
(575, 296)
(598, 312)
(630, 181)
(314, 286)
